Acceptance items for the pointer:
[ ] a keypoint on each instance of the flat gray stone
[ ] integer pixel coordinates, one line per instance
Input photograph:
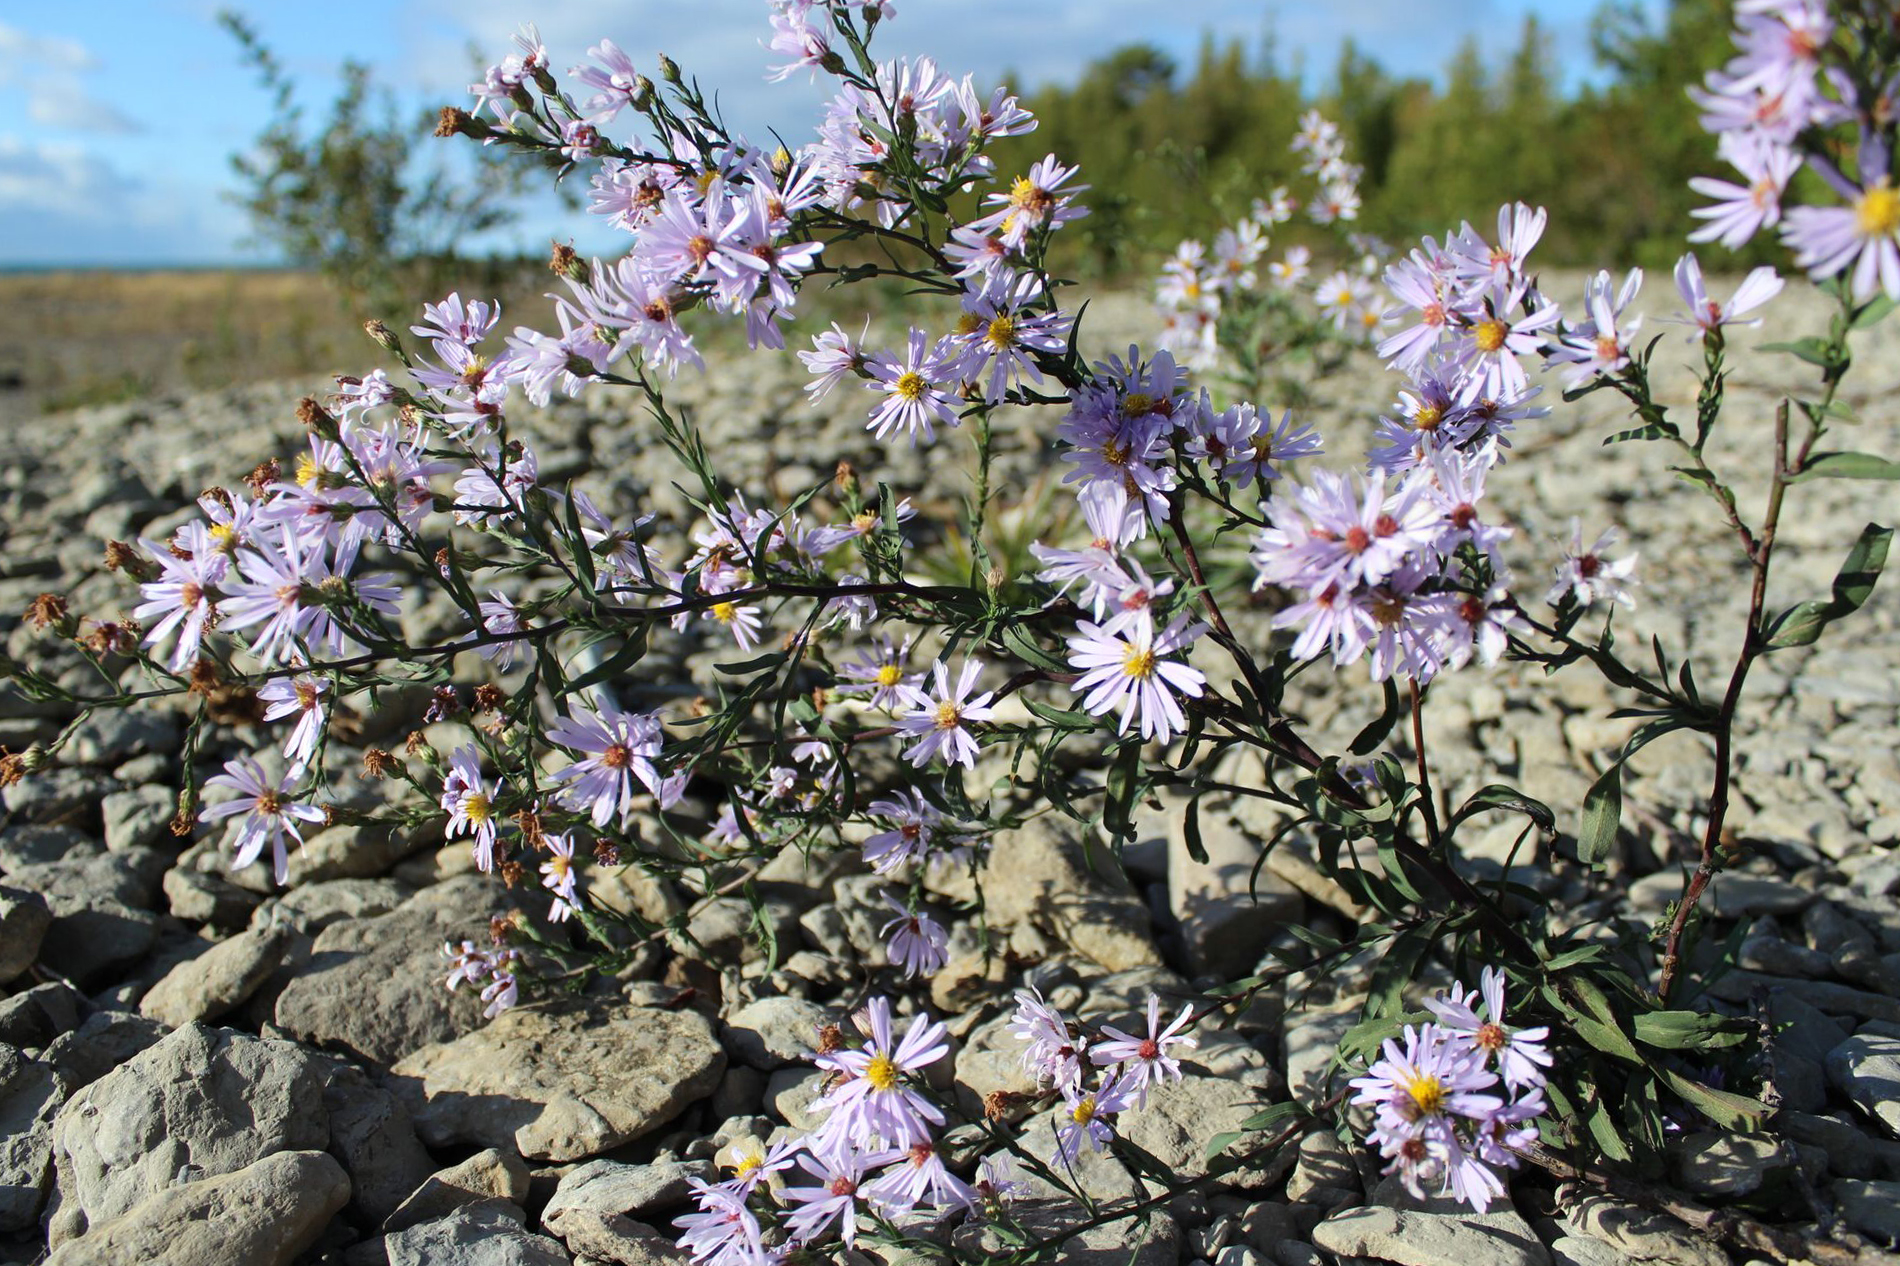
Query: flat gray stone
(1496, 1238)
(562, 1082)
(198, 896)
(774, 1032)
(1872, 1208)
(1637, 1233)
(490, 1174)
(30, 1095)
(24, 919)
(486, 1234)
(205, 1101)
(265, 1214)
(105, 1040)
(1182, 1116)
(1866, 1068)
(599, 1208)
(373, 1138)
(138, 817)
(34, 1017)
(216, 981)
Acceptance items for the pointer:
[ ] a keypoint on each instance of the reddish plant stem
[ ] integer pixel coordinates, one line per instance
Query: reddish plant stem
(1753, 645)
(1432, 837)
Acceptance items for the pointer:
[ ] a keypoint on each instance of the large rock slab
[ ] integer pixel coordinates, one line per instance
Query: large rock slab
(1041, 874)
(265, 1214)
(1182, 1116)
(601, 1208)
(211, 984)
(1866, 1068)
(374, 987)
(1410, 1238)
(374, 1139)
(30, 1094)
(24, 919)
(203, 1101)
(486, 1234)
(564, 1082)
(490, 1174)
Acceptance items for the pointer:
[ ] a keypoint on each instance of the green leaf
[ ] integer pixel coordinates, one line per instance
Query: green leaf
(1815, 351)
(1650, 432)
(630, 653)
(1689, 1031)
(1593, 1019)
(758, 664)
(1498, 796)
(1062, 720)
(1847, 466)
(1374, 734)
(1726, 1108)
(1873, 314)
(1801, 625)
(1124, 779)
(1022, 643)
(1602, 813)
(1196, 849)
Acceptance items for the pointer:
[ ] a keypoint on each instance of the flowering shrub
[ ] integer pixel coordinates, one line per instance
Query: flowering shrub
(920, 718)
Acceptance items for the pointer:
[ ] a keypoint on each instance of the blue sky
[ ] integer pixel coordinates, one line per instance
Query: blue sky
(118, 117)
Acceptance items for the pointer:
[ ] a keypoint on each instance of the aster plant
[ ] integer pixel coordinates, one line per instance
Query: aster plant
(862, 710)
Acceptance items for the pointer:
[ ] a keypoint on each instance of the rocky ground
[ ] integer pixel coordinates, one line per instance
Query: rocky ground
(199, 1067)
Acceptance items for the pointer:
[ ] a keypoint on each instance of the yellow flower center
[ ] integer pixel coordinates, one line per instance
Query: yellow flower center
(746, 1164)
(476, 808)
(889, 675)
(1138, 404)
(225, 535)
(725, 612)
(1490, 334)
(1002, 332)
(1084, 1111)
(1427, 1091)
(969, 323)
(1138, 662)
(306, 470)
(911, 386)
(881, 1072)
(1428, 417)
(949, 715)
(1878, 211)
(1028, 196)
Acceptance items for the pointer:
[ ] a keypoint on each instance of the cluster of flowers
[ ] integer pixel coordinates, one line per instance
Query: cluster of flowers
(1195, 289)
(876, 1157)
(1772, 106)
(1436, 1114)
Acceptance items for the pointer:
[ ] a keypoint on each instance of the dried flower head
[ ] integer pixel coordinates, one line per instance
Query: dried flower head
(377, 762)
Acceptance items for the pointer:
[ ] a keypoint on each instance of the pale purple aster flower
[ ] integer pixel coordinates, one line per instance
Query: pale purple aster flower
(880, 670)
(914, 820)
(500, 618)
(1520, 1054)
(1256, 446)
(1054, 1054)
(915, 392)
(302, 697)
(1086, 1119)
(834, 355)
(917, 1176)
(1327, 531)
(1600, 346)
(994, 1188)
(918, 943)
(1498, 268)
(502, 991)
(1743, 210)
(740, 621)
(466, 964)
(558, 877)
(1486, 351)
(1417, 1092)
(451, 319)
(938, 722)
(470, 806)
(999, 335)
(279, 588)
(615, 81)
(833, 1199)
(723, 1231)
(1586, 575)
(1122, 666)
(698, 238)
(1426, 287)
(1761, 285)
(1145, 1060)
(271, 813)
(1033, 202)
(184, 595)
(1826, 240)
(621, 748)
(1476, 624)
(873, 1102)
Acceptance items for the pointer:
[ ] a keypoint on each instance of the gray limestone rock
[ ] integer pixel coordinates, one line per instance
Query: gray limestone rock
(486, 1234)
(773, 1032)
(562, 1082)
(24, 919)
(490, 1174)
(211, 984)
(30, 1095)
(265, 1214)
(1866, 1068)
(598, 1208)
(203, 1102)
(373, 1138)
(1411, 1238)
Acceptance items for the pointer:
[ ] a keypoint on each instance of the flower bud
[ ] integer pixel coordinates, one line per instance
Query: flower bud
(642, 93)
(565, 261)
(382, 336)
(544, 79)
(316, 419)
(669, 70)
(455, 121)
(846, 480)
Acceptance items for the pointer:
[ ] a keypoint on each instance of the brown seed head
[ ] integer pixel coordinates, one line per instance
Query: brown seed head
(488, 697)
(46, 611)
(377, 762)
(511, 872)
(263, 476)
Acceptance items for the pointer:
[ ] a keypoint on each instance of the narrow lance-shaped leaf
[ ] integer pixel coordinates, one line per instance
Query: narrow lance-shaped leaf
(1802, 624)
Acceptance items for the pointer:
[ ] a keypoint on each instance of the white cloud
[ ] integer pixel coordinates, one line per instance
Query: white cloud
(48, 69)
(60, 204)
